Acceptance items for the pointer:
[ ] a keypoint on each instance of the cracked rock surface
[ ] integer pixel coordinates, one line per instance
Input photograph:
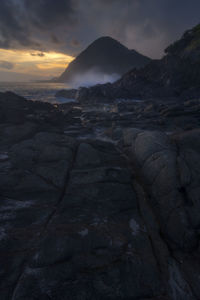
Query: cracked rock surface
(87, 218)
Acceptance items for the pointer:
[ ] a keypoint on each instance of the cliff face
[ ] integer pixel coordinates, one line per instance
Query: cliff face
(106, 56)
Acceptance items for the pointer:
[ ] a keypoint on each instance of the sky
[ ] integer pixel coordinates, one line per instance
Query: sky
(39, 38)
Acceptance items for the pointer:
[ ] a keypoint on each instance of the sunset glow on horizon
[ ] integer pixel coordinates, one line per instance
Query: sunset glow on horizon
(36, 63)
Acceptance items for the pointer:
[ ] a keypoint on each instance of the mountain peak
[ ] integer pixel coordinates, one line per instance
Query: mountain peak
(106, 56)
(107, 43)
(106, 39)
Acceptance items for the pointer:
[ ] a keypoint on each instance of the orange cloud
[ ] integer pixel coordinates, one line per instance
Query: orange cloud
(28, 61)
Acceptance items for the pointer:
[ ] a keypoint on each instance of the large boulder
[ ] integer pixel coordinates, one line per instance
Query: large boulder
(155, 157)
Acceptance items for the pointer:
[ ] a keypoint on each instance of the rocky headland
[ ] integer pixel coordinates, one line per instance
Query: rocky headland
(100, 199)
(177, 74)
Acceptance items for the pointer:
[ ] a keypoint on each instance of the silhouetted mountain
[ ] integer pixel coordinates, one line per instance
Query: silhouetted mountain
(107, 56)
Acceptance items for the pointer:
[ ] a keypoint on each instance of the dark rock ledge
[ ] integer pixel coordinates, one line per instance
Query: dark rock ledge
(89, 219)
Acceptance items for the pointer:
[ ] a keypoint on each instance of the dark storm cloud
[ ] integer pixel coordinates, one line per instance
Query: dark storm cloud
(70, 25)
(48, 13)
(11, 29)
(6, 65)
(25, 23)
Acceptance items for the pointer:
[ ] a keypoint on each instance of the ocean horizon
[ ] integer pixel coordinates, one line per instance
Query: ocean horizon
(35, 91)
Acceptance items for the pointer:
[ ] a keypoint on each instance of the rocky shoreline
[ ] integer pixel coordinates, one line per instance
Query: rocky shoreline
(99, 201)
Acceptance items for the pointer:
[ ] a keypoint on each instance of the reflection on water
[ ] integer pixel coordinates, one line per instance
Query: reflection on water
(35, 91)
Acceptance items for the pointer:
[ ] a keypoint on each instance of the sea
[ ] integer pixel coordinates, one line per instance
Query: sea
(45, 92)
(36, 91)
